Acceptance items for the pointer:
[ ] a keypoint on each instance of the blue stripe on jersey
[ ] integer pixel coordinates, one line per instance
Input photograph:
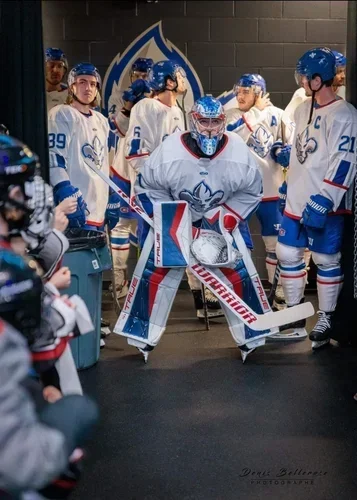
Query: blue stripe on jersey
(329, 273)
(135, 146)
(61, 162)
(342, 172)
(145, 203)
(233, 126)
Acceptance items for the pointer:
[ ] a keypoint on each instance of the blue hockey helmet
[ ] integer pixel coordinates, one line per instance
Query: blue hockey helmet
(161, 72)
(207, 123)
(142, 64)
(84, 68)
(340, 58)
(55, 54)
(251, 80)
(320, 61)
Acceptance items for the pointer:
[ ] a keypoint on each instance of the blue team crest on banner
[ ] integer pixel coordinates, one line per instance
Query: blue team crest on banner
(202, 198)
(151, 44)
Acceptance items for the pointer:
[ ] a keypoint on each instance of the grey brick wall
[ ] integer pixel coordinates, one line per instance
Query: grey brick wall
(222, 39)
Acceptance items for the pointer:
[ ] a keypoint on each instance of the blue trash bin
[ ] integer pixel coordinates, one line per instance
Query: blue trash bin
(87, 266)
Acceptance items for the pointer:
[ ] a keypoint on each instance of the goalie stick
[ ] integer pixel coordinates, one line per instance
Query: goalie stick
(253, 320)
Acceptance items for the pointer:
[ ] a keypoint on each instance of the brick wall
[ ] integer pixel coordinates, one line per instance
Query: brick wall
(222, 39)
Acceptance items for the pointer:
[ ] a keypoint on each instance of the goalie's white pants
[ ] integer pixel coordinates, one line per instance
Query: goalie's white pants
(122, 236)
(293, 276)
(68, 375)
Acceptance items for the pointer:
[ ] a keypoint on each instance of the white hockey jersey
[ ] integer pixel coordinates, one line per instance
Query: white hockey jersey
(323, 156)
(119, 123)
(260, 130)
(151, 122)
(299, 97)
(76, 141)
(230, 178)
(56, 97)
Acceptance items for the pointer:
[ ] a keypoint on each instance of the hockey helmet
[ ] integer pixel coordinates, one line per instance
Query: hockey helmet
(340, 59)
(316, 62)
(84, 68)
(20, 294)
(55, 54)
(142, 64)
(251, 80)
(20, 167)
(207, 123)
(161, 72)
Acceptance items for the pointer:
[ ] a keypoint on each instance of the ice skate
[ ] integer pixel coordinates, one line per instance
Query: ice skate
(250, 347)
(291, 331)
(104, 328)
(245, 351)
(320, 335)
(279, 299)
(145, 349)
(213, 306)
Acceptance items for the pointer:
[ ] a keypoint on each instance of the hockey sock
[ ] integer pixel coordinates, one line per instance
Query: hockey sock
(329, 285)
(271, 263)
(293, 277)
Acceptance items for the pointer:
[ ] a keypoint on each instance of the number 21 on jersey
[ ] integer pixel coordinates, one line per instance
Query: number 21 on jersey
(347, 144)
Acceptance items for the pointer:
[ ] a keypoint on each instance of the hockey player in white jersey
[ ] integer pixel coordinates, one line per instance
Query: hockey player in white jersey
(56, 67)
(321, 173)
(120, 106)
(121, 102)
(151, 122)
(208, 169)
(262, 126)
(338, 86)
(78, 138)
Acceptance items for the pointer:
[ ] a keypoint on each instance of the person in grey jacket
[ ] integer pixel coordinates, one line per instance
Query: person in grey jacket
(36, 447)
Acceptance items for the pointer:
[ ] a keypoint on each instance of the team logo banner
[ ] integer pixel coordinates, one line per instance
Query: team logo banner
(151, 44)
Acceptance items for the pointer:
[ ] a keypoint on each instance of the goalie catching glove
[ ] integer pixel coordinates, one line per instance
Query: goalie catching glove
(215, 250)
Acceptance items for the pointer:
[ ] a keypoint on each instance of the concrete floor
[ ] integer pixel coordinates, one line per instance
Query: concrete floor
(195, 423)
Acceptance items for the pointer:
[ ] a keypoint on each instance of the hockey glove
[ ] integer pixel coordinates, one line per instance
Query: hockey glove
(65, 190)
(136, 91)
(112, 212)
(316, 211)
(283, 156)
(275, 149)
(282, 196)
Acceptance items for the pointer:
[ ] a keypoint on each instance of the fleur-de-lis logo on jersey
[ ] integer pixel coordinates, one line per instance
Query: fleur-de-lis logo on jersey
(94, 153)
(201, 198)
(304, 145)
(261, 141)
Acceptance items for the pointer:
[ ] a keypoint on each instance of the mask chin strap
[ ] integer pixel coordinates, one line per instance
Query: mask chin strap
(313, 100)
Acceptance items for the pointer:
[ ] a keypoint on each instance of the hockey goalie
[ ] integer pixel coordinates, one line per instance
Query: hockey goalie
(198, 188)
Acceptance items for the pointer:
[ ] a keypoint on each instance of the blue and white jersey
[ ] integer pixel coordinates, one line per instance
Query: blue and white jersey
(230, 178)
(151, 122)
(75, 141)
(260, 130)
(323, 156)
(299, 97)
(56, 97)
